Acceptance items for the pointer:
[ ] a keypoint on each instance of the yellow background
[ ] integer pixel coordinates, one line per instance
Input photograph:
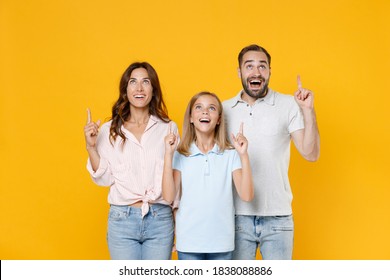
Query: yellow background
(59, 57)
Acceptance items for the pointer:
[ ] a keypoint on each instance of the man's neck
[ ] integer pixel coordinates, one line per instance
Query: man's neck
(249, 99)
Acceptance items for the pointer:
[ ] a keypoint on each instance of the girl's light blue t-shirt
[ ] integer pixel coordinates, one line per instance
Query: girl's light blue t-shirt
(205, 218)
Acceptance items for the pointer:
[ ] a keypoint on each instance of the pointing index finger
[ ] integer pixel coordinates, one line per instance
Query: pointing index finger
(88, 115)
(299, 82)
(241, 128)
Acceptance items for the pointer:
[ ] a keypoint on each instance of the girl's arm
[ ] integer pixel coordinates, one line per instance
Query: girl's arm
(243, 177)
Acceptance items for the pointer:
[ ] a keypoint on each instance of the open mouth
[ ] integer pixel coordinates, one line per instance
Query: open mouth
(204, 120)
(255, 83)
(139, 96)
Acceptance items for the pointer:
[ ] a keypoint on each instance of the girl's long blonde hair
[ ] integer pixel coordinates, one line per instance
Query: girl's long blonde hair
(189, 135)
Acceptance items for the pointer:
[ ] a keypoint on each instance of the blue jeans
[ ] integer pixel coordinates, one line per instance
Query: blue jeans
(131, 237)
(274, 235)
(204, 256)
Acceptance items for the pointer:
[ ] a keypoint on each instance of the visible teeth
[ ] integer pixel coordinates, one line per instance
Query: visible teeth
(204, 120)
(139, 96)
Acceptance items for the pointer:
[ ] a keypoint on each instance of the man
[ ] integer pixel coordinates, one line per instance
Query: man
(271, 120)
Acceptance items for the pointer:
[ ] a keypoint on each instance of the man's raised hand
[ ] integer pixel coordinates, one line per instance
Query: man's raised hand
(304, 97)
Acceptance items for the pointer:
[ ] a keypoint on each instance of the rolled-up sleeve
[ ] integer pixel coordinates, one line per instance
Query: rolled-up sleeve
(103, 175)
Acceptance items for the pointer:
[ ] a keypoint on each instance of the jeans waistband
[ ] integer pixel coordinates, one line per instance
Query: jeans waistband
(132, 209)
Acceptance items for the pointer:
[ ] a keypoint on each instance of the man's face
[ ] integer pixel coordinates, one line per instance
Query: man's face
(255, 73)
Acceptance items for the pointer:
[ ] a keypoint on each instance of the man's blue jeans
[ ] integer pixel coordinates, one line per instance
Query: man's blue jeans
(273, 234)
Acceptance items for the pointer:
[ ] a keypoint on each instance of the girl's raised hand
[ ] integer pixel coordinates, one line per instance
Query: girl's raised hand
(240, 142)
(91, 130)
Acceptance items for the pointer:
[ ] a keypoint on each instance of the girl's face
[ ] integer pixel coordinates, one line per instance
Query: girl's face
(139, 88)
(205, 114)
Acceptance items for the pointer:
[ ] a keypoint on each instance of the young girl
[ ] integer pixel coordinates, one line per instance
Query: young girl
(202, 170)
(127, 154)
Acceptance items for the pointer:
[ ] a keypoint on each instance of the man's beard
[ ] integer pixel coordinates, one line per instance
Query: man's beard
(258, 93)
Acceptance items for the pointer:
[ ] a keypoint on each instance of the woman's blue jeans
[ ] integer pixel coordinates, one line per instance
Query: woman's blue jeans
(131, 237)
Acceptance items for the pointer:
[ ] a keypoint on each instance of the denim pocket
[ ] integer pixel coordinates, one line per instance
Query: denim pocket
(279, 228)
(117, 214)
(163, 213)
(283, 223)
(239, 223)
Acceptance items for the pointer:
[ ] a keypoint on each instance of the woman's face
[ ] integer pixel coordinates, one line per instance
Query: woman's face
(139, 88)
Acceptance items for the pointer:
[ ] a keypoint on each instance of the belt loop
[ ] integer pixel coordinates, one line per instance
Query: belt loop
(128, 210)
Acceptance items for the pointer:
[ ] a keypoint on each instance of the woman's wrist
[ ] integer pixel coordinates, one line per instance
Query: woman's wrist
(91, 148)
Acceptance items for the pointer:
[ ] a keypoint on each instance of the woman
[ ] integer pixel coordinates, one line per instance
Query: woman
(127, 154)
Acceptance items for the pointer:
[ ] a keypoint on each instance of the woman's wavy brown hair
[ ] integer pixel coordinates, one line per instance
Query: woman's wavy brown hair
(189, 135)
(121, 109)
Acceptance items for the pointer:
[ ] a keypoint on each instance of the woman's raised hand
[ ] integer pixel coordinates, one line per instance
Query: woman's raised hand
(91, 130)
(170, 140)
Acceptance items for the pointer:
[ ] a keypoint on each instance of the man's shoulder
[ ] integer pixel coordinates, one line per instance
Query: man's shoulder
(282, 99)
(228, 103)
(283, 96)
